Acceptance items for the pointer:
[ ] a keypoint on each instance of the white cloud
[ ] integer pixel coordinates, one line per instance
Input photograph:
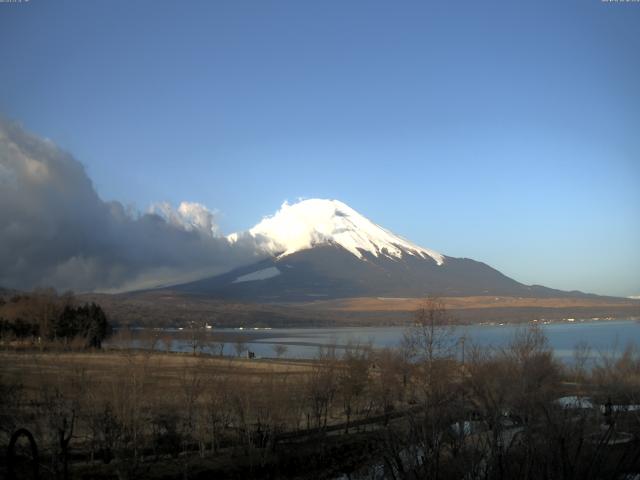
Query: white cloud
(55, 230)
(190, 216)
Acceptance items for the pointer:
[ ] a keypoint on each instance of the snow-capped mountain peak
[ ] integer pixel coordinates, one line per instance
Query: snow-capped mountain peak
(312, 222)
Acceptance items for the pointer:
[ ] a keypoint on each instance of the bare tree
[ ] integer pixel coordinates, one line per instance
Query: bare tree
(389, 381)
(167, 341)
(61, 400)
(581, 358)
(240, 345)
(214, 343)
(279, 349)
(123, 339)
(129, 400)
(321, 387)
(11, 391)
(196, 338)
(353, 377)
(218, 407)
(428, 349)
(149, 339)
(432, 334)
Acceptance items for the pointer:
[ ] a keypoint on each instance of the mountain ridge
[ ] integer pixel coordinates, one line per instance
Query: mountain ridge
(323, 249)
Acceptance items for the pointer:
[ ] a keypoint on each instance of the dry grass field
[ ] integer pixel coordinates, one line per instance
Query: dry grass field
(120, 412)
(161, 371)
(363, 304)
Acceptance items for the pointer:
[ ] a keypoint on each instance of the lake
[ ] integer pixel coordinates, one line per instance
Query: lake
(602, 336)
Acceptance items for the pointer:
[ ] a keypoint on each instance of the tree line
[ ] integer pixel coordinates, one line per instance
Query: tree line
(46, 317)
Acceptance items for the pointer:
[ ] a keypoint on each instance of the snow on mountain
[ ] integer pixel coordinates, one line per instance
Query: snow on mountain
(317, 221)
(263, 274)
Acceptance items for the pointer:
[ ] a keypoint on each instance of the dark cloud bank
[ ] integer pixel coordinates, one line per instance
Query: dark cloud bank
(56, 231)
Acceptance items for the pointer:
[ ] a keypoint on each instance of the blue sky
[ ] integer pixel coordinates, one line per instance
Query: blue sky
(507, 132)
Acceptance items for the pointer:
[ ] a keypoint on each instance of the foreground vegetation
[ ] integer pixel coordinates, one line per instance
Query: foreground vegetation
(425, 410)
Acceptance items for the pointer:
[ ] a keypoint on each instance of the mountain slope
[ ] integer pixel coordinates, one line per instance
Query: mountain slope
(330, 271)
(323, 249)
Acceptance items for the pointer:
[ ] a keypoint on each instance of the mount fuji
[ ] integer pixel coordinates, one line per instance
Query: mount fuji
(323, 249)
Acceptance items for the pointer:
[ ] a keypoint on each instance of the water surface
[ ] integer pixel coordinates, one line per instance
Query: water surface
(602, 336)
